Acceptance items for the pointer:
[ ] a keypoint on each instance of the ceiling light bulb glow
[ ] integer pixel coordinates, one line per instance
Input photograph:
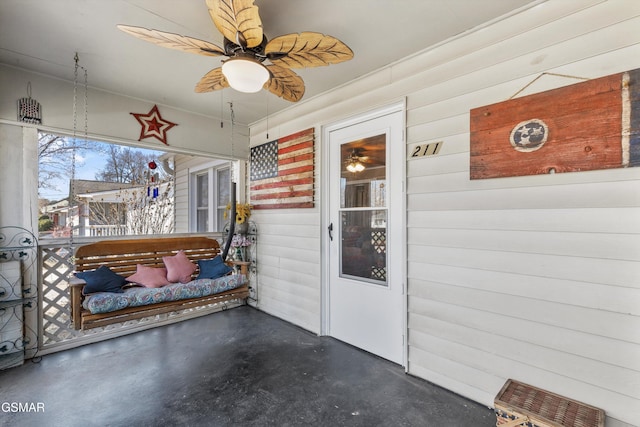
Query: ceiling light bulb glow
(245, 75)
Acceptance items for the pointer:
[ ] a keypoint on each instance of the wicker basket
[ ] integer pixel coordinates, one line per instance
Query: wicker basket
(519, 404)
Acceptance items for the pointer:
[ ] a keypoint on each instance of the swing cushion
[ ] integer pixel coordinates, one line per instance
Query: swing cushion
(213, 268)
(105, 302)
(101, 280)
(149, 277)
(179, 267)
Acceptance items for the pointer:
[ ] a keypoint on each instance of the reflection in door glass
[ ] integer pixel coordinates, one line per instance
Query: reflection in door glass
(363, 203)
(363, 173)
(364, 251)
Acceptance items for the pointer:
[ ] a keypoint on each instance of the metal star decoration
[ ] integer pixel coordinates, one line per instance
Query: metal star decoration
(153, 125)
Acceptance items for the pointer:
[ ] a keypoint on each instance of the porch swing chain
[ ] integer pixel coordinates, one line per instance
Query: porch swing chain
(74, 146)
(232, 213)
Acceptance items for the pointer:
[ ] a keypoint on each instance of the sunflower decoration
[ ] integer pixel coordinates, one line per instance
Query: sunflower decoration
(243, 212)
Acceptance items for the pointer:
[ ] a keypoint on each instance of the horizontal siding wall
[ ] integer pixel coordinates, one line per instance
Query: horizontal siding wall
(289, 265)
(183, 188)
(534, 278)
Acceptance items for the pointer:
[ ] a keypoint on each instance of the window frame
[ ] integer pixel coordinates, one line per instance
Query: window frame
(211, 170)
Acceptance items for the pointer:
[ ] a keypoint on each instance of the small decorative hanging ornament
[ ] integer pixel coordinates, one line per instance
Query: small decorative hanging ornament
(153, 125)
(29, 110)
(153, 179)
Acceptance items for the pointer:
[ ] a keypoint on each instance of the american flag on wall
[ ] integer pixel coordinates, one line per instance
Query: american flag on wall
(282, 172)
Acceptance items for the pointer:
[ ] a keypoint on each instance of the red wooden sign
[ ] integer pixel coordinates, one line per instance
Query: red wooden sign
(585, 126)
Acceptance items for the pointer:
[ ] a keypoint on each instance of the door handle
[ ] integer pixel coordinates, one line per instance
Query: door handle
(330, 228)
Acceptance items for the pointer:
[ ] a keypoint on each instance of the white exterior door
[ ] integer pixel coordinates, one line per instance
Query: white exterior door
(365, 290)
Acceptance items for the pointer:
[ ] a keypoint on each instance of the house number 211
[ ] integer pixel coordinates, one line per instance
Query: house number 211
(421, 150)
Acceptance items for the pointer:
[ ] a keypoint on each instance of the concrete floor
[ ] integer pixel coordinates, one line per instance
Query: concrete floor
(240, 367)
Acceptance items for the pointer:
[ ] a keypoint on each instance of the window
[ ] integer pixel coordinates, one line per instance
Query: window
(207, 207)
(202, 202)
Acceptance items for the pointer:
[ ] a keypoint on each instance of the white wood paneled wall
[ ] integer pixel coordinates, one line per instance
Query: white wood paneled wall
(183, 189)
(533, 278)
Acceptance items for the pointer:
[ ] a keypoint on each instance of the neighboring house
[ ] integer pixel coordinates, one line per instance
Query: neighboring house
(58, 213)
(111, 209)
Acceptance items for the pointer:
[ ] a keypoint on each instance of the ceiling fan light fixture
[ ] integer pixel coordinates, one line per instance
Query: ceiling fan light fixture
(245, 75)
(355, 166)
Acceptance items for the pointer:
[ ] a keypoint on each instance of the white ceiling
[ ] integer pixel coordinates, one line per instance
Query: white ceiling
(44, 35)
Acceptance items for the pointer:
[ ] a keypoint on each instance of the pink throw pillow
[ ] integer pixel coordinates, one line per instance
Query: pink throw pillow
(149, 277)
(179, 268)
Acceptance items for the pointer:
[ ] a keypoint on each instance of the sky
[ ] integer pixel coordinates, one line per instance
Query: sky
(88, 163)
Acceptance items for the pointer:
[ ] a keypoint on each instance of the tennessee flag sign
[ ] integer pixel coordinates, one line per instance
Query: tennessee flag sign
(586, 126)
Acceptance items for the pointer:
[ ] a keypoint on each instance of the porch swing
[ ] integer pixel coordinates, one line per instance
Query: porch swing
(102, 268)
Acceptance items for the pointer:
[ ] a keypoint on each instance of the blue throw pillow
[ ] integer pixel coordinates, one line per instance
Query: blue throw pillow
(213, 268)
(101, 280)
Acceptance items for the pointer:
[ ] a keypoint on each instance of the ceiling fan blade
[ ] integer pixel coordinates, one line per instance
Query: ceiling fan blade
(213, 80)
(173, 41)
(237, 20)
(307, 49)
(285, 83)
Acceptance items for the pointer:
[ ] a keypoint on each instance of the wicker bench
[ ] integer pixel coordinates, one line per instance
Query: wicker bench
(123, 256)
(519, 404)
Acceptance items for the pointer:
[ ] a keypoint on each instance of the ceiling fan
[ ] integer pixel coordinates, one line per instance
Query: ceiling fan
(248, 50)
(355, 161)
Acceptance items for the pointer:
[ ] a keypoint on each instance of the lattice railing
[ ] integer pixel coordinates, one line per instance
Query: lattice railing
(56, 312)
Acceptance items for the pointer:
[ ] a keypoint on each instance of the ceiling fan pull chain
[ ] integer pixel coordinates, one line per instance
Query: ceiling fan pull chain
(221, 109)
(233, 156)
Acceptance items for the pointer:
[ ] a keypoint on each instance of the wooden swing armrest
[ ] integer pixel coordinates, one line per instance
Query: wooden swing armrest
(76, 285)
(76, 282)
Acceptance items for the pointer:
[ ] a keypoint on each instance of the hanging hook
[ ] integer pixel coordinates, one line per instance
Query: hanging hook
(546, 74)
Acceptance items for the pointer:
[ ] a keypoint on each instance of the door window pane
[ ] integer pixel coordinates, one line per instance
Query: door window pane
(363, 209)
(363, 173)
(364, 251)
